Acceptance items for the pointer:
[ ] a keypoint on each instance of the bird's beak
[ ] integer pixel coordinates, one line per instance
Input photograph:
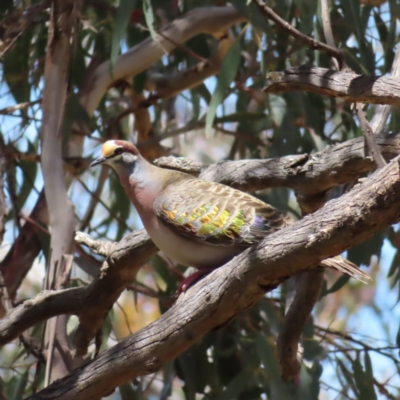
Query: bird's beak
(100, 160)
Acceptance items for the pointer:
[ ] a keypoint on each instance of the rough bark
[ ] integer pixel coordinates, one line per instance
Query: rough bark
(119, 270)
(347, 85)
(337, 164)
(308, 174)
(340, 224)
(346, 160)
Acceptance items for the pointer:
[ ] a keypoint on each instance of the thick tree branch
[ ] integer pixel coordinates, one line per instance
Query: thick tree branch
(346, 85)
(45, 305)
(308, 288)
(335, 165)
(165, 86)
(209, 20)
(342, 223)
(118, 270)
(330, 49)
(307, 174)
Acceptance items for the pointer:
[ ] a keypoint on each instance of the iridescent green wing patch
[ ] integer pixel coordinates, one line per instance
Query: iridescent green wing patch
(215, 214)
(205, 223)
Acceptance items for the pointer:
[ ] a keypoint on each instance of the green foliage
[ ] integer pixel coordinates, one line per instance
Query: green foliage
(15, 387)
(128, 392)
(16, 71)
(150, 18)
(120, 205)
(124, 12)
(226, 75)
(350, 343)
(361, 254)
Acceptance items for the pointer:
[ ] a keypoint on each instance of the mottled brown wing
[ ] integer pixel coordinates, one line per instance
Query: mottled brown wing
(216, 214)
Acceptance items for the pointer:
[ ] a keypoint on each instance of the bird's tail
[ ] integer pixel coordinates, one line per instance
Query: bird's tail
(346, 267)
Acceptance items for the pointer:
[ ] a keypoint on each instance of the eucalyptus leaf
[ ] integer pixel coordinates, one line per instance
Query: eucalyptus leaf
(17, 385)
(124, 11)
(364, 382)
(281, 389)
(128, 392)
(236, 386)
(340, 282)
(150, 18)
(165, 273)
(226, 75)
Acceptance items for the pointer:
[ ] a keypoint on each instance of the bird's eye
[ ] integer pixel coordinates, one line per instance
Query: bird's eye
(118, 151)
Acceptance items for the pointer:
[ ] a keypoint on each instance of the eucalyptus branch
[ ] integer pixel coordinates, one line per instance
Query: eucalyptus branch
(344, 84)
(239, 284)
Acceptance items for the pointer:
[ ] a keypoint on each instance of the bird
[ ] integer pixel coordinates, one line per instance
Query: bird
(195, 222)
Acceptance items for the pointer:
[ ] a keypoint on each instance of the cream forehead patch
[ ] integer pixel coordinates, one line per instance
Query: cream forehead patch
(108, 148)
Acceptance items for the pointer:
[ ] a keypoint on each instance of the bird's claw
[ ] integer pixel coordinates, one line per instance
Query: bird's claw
(191, 280)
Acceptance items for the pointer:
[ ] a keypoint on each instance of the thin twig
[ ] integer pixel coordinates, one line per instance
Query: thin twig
(143, 289)
(34, 223)
(310, 42)
(94, 199)
(383, 390)
(112, 213)
(370, 139)
(350, 338)
(20, 106)
(165, 300)
(11, 42)
(25, 339)
(327, 27)
(183, 47)
(125, 316)
(20, 20)
(32, 348)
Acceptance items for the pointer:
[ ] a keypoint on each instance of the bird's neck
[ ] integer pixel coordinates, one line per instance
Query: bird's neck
(143, 182)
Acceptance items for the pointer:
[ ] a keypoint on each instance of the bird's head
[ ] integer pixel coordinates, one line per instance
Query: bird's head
(118, 154)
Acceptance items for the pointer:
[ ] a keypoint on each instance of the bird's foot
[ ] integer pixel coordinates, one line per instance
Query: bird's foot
(192, 279)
